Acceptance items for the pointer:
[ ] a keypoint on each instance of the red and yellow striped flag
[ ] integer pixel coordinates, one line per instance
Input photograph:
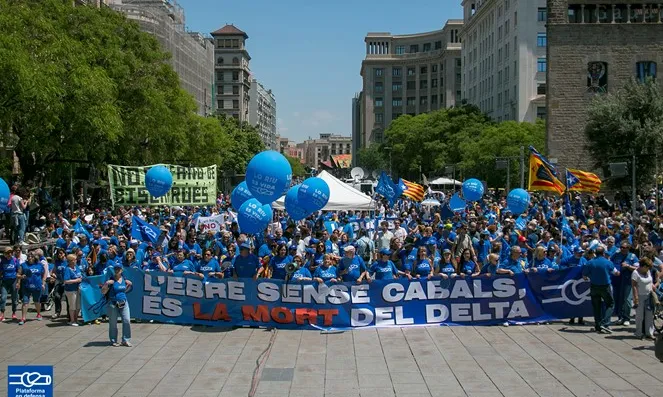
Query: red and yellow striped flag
(582, 181)
(413, 191)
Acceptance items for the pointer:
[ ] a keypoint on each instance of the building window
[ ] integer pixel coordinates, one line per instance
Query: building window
(433, 83)
(423, 100)
(397, 102)
(414, 48)
(235, 61)
(542, 14)
(394, 116)
(411, 71)
(235, 76)
(541, 40)
(235, 90)
(235, 104)
(541, 89)
(235, 43)
(433, 68)
(438, 45)
(515, 19)
(597, 77)
(379, 87)
(424, 70)
(378, 72)
(541, 65)
(396, 86)
(379, 117)
(400, 50)
(574, 14)
(426, 47)
(433, 100)
(219, 60)
(378, 102)
(541, 112)
(411, 101)
(411, 85)
(396, 71)
(506, 27)
(645, 69)
(423, 84)
(227, 43)
(219, 104)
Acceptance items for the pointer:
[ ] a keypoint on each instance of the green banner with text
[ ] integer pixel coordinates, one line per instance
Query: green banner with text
(191, 186)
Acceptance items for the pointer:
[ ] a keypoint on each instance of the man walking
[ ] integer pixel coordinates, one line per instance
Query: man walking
(18, 207)
(598, 271)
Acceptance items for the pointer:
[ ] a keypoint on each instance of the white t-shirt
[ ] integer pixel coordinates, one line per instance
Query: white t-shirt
(644, 282)
(16, 207)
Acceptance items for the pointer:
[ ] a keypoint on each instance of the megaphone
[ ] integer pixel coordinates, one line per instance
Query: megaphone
(291, 268)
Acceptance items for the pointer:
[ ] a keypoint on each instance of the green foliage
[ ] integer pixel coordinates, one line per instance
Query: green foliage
(372, 159)
(85, 83)
(461, 136)
(627, 122)
(298, 169)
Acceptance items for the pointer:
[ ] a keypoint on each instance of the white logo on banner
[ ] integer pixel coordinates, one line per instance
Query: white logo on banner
(569, 295)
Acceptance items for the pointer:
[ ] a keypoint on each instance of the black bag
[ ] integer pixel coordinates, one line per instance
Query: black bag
(658, 347)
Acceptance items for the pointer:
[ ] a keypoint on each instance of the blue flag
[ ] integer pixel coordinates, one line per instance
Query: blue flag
(388, 189)
(79, 228)
(143, 231)
(521, 223)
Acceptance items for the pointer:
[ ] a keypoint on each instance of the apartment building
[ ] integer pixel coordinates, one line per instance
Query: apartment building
(407, 74)
(262, 113)
(595, 47)
(232, 73)
(504, 58)
(322, 149)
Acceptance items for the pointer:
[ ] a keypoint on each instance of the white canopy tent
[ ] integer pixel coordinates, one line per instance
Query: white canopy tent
(341, 196)
(445, 181)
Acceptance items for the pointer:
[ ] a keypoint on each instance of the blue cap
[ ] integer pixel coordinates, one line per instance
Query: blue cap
(117, 265)
(431, 241)
(385, 251)
(245, 246)
(95, 242)
(310, 251)
(293, 247)
(155, 254)
(486, 233)
(314, 241)
(578, 250)
(523, 249)
(270, 236)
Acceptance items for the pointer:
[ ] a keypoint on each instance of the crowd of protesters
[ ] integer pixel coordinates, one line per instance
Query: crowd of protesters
(408, 241)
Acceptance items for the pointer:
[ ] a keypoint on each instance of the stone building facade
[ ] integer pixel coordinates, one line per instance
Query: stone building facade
(594, 48)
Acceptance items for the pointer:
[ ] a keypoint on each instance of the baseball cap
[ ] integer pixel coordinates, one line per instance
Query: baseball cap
(578, 250)
(245, 246)
(446, 251)
(385, 251)
(117, 265)
(314, 241)
(349, 248)
(293, 248)
(431, 241)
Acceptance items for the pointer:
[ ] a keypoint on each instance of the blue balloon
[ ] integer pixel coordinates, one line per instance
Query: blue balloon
(253, 217)
(313, 194)
(517, 201)
(158, 181)
(4, 194)
(239, 195)
(268, 176)
(292, 206)
(472, 189)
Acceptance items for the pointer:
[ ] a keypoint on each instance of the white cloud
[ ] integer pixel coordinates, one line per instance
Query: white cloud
(296, 114)
(318, 118)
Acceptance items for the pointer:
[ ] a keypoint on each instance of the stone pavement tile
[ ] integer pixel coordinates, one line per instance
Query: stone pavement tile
(447, 391)
(614, 383)
(113, 376)
(139, 384)
(201, 393)
(300, 380)
(653, 391)
(208, 381)
(627, 393)
(306, 392)
(75, 383)
(310, 369)
(101, 389)
(341, 384)
(341, 374)
(235, 391)
(238, 379)
(344, 393)
(173, 384)
(376, 392)
(375, 381)
(420, 388)
(274, 389)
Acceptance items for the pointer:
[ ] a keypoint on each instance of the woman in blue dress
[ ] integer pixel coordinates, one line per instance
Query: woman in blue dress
(466, 266)
(327, 271)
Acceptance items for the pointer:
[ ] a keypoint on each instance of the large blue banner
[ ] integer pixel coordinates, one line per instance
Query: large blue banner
(181, 299)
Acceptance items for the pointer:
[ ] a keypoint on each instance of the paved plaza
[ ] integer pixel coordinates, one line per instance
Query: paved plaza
(174, 360)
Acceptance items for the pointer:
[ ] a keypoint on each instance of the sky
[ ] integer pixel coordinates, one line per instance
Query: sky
(309, 52)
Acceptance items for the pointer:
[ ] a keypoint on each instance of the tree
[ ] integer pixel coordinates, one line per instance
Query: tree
(372, 159)
(625, 123)
(298, 169)
(245, 143)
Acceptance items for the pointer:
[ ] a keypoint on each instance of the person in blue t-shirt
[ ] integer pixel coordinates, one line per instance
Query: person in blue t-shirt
(576, 260)
(490, 268)
(8, 271)
(32, 276)
(117, 289)
(182, 265)
(278, 262)
(302, 273)
(72, 278)
(625, 262)
(423, 268)
(351, 267)
(483, 247)
(384, 269)
(540, 263)
(208, 266)
(155, 264)
(466, 266)
(326, 272)
(513, 264)
(598, 271)
(447, 265)
(245, 265)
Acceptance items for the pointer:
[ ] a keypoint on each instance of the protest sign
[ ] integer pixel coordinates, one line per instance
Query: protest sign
(273, 303)
(214, 223)
(191, 186)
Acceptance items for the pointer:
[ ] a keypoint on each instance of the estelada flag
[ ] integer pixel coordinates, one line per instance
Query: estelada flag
(413, 191)
(582, 181)
(542, 178)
